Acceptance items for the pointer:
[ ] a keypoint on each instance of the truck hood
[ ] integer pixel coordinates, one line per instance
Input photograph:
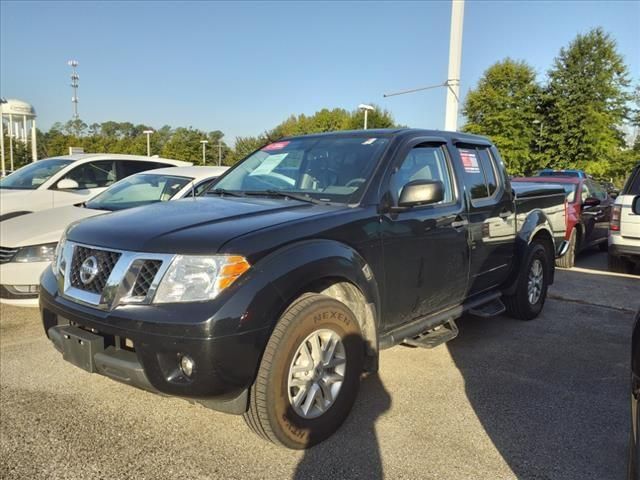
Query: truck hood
(45, 226)
(191, 226)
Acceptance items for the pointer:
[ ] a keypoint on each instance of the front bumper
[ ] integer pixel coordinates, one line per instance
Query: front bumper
(225, 364)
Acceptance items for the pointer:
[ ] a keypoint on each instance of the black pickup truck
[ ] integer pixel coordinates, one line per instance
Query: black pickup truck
(272, 295)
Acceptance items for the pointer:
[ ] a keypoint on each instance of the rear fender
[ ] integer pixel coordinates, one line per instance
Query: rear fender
(535, 224)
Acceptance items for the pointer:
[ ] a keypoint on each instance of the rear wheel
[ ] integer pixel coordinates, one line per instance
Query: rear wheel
(569, 258)
(309, 375)
(531, 286)
(619, 264)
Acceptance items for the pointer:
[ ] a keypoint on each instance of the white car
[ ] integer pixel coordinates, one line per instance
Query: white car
(624, 230)
(69, 179)
(28, 242)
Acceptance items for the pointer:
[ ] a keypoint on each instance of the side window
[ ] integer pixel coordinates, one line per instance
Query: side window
(423, 162)
(598, 191)
(130, 167)
(98, 174)
(479, 171)
(200, 189)
(632, 187)
(586, 193)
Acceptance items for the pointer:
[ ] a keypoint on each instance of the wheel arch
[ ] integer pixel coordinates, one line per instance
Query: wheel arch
(330, 268)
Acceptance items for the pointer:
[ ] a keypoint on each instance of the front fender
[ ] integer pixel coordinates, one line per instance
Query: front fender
(294, 268)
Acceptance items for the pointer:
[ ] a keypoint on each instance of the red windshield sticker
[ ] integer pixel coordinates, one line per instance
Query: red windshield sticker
(275, 146)
(469, 161)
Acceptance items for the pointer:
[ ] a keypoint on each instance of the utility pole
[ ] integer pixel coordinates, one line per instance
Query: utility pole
(204, 150)
(455, 58)
(219, 152)
(148, 134)
(75, 83)
(452, 84)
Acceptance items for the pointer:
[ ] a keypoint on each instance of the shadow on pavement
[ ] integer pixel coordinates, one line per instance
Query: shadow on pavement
(552, 394)
(354, 451)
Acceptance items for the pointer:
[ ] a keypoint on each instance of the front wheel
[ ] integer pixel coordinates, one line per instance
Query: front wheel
(309, 375)
(531, 286)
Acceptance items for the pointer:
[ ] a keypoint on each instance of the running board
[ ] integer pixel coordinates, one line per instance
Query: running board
(433, 338)
(491, 309)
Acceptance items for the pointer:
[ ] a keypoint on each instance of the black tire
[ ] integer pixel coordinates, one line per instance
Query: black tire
(604, 246)
(518, 304)
(271, 414)
(568, 259)
(619, 264)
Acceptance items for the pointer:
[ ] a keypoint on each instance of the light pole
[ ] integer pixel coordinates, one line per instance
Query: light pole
(219, 152)
(366, 109)
(2, 102)
(204, 149)
(539, 142)
(148, 134)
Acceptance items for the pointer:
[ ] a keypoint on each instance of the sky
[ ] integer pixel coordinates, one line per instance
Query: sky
(243, 67)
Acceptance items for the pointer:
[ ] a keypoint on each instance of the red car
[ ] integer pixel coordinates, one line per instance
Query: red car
(588, 213)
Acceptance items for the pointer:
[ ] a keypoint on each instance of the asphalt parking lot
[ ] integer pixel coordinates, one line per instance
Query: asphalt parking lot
(546, 399)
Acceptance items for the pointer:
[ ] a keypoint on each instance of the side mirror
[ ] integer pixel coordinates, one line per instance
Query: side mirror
(67, 184)
(591, 202)
(421, 192)
(614, 194)
(635, 205)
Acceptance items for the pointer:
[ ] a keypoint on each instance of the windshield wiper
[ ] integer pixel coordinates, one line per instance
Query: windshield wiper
(293, 196)
(222, 191)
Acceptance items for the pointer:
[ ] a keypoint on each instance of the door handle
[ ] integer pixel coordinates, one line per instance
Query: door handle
(459, 223)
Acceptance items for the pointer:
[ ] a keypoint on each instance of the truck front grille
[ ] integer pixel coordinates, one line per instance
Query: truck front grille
(105, 261)
(7, 254)
(145, 277)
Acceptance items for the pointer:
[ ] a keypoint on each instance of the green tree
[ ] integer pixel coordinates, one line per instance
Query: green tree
(586, 102)
(503, 106)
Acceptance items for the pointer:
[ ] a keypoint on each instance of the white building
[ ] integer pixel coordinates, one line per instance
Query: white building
(19, 123)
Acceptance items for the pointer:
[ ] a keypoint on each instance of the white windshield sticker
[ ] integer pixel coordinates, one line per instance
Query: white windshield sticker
(369, 141)
(269, 164)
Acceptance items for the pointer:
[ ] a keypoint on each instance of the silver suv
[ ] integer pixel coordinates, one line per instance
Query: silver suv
(624, 231)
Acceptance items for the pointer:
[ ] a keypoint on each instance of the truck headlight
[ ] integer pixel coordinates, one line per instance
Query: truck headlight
(35, 253)
(195, 278)
(56, 263)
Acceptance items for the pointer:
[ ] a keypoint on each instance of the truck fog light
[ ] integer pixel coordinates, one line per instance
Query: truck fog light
(186, 365)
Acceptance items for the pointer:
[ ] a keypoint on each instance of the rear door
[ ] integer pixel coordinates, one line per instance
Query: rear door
(426, 255)
(491, 217)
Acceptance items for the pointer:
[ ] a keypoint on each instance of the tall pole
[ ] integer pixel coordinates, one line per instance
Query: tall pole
(366, 113)
(204, 150)
(2, 166)
(34, 141)
(455, 58)
(148, 134)
(219, 153)
(11, 141)
(75, 83)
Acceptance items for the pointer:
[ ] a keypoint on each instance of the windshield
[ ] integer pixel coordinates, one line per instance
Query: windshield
(329, 169)
(138, 190)
(33, 175)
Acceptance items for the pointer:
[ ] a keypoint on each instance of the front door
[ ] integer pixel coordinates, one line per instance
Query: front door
(426, 257)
